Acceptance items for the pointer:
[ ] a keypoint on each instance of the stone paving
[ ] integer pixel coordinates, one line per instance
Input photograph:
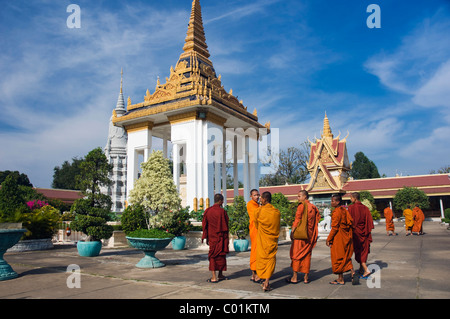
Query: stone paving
(408, 267)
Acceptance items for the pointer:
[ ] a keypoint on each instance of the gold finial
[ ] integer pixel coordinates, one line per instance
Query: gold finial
(128, 101)
(121, 80)
(195, 38)
(326, 127)
(255, 113)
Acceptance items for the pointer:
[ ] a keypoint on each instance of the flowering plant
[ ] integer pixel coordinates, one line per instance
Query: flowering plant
(36, 204)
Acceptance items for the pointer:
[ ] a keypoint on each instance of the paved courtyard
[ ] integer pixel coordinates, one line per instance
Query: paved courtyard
(408, 267)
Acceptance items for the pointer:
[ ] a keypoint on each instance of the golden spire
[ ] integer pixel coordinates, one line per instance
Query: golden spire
(326, 127)
(195, 37)
(121, 80)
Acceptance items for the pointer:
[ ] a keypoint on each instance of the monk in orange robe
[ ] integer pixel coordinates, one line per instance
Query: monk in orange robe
(418, 217)
(267, 222)
(252, 205)
(409, 221)
(215, 231)
(362, 233)
(301, 250)
(389, 216)
(340, 241)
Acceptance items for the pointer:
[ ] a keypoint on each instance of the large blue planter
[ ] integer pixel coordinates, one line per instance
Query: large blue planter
(179, 242)
(8, 238)
(240, 244)
(89, 248)
(149, 246)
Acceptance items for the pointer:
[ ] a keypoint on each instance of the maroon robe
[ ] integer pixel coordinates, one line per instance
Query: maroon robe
(362, 228)
(215, 230)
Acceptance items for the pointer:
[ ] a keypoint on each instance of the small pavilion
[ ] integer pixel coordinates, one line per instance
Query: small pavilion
(207, 127)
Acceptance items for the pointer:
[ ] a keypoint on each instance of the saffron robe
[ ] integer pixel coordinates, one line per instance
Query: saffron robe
(267, 223)
(409, 221)
(301, 250)
(215, 230)
(389, 215)
(341, 238)
(251, 207)
(418, 218)
(362, 230)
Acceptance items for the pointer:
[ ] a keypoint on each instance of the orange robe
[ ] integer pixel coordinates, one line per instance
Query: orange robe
(341, 238)
(389, 215)
(301, 250)
(418, 218)
(409, 222)
(362, 230)
(215, 229)
(251, 207)
(267, 222)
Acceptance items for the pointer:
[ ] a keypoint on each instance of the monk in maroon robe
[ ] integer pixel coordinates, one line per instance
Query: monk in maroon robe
(362, 228)
(215, 231)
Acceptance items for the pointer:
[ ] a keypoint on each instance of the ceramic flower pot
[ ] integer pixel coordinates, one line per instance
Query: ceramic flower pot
(179, 242)
(240, 244)
(149, 246)
(8, 238)
(89, 248)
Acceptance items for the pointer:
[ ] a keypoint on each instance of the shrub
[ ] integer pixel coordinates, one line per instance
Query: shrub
(180, 223)
(40, 223)
(238, 218)
(411, 196)
(150, 233)
(133, 218)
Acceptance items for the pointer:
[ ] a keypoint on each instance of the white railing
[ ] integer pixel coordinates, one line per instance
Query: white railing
(66, 235)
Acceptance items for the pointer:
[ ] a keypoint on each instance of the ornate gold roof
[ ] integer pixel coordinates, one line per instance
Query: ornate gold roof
(192, 82)
(328, 161)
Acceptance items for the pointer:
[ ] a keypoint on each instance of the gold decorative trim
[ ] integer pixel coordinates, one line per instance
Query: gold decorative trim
(139, 127)
(184, 117)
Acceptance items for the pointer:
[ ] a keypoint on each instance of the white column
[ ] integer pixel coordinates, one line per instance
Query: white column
(176, 165)
(224, 164)
(217, 181)
(246, 169)
(442, 207)
(235, 168)
(148, 146)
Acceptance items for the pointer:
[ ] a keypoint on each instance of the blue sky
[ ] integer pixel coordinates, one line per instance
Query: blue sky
(292, 60)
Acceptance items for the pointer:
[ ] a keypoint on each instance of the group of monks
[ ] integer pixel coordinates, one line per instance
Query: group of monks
(413, 221)
(350, 234)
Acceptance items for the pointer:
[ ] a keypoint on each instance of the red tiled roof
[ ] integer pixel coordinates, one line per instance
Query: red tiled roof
(432, 185)
(64, 195)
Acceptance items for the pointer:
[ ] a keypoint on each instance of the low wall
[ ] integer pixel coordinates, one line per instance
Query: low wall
(31, 244)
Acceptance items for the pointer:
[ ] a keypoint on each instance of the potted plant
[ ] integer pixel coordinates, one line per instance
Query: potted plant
(156, 193)
(10, 234)
(239, 223)
(179, 226)
(92, 212)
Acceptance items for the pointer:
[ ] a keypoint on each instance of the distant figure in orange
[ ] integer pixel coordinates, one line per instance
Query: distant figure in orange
(418, 217)
(389, 215)
(409, 221)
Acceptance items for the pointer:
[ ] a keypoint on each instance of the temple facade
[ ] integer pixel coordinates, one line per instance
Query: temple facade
(206, 126)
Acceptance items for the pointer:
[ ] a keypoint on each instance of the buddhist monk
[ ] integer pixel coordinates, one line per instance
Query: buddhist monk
(389, 216)
(215, 231)
(340, 241)
(409, 221)
(362, 233)
(252, 205)
(418, 217)
(301, 250)
(267, 222)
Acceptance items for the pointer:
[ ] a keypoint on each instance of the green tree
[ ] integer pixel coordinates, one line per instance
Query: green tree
(93, 211)
(363, 167)
(411, 196)
(21, 178)
(156, 191)
(64, 175)
(12, 199)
